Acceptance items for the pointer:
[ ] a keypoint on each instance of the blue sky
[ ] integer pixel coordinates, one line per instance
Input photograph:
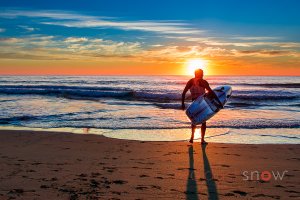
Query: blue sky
(141, 28)
(215, 15)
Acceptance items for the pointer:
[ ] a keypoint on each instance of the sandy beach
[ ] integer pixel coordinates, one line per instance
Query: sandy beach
(52, 165)
(99, 100)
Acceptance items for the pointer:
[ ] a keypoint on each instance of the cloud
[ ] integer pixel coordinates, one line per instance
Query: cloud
(10, 40)
(27, 28)
(60, 15)
(31, 40)
(45, 47)
(157, 45)
(272, 52)
(39, 47)
(76, 39)
(149, 26)
(176, 41)
(230, 42)
(255, 38)
(70, 19)
(179, 54)
(28, 56)
(264, 52)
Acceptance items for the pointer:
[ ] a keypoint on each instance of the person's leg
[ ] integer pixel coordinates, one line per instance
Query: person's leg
(193, 132)
(203, 129)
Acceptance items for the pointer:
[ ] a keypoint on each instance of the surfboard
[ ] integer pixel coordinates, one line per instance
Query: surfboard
(206, 106)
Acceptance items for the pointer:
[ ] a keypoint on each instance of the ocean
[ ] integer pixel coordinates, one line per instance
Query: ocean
(262, 109)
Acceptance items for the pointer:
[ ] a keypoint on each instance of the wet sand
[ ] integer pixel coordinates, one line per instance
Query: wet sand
(52, 165)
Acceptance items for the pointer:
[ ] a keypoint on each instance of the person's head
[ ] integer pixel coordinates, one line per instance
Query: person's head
(199, 73)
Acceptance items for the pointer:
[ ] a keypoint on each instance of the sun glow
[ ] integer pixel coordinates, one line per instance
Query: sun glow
(193, 64)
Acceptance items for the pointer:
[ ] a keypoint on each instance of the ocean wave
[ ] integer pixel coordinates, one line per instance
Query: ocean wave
(274, 85)
(10, 120)
(67, 91)
(88, 92)
(60, 87)
(82, 120)
(261, 95)
(265, 85)
(241, 98)
(15, 82)
(281, 136)
(240, 104)
(75, 124)
(146, 81)
(65, 116)
(273, 97)
(175, 106)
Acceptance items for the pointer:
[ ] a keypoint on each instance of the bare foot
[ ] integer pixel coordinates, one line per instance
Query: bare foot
(204, 142)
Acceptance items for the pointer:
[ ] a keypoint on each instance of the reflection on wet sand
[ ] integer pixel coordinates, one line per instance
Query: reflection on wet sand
(86, 130)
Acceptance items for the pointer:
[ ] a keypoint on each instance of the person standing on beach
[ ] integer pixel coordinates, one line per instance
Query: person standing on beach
(197, 88)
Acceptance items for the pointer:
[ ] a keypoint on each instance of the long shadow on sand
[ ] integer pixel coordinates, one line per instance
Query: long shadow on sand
(191, 187)
(210, 182)
(191, 191)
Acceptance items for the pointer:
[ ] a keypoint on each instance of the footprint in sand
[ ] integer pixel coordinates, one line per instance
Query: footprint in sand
(242, 193)
(36, 163)
(156, 187)
(115, 192)
(263, 195)
(16, 191)
(228, 194)
(95, 174)
(224, 165)
(292, 191)
(94, 183)
(44, 186)
(279, 186)
(141, 187)
(120, 182)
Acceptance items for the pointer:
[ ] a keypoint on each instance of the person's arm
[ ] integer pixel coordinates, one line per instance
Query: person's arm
(187, 87)
(213, 93)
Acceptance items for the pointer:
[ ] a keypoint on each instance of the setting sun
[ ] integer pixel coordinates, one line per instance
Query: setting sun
(192, 65)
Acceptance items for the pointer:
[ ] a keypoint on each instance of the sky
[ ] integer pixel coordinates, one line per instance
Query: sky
(141, 37)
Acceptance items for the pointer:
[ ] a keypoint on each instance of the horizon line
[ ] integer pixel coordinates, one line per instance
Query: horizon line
(139, 75)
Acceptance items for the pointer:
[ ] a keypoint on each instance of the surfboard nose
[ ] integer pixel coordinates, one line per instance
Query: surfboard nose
(228, 91)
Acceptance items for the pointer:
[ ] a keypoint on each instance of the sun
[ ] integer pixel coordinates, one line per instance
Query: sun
(193, 64)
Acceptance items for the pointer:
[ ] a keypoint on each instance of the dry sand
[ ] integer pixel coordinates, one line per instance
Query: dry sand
(45, 165)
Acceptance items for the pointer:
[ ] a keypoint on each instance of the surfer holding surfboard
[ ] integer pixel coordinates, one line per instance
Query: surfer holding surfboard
(197, 87)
